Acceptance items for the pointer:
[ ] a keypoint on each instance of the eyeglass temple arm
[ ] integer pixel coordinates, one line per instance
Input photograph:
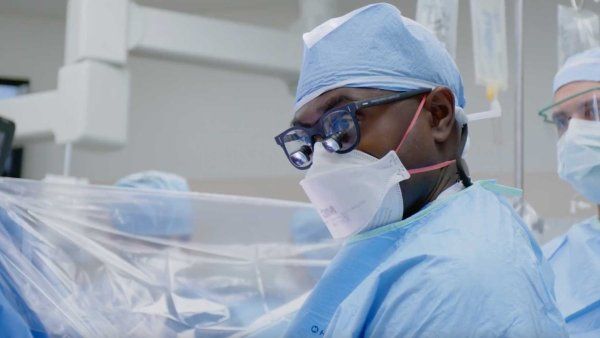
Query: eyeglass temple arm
(390, 98)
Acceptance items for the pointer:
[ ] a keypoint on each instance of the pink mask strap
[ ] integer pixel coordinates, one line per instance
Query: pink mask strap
(410, 127)
(412, 123)
(431, 167)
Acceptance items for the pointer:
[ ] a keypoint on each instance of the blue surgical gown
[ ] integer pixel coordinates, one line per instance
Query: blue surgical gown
(575, 259)
(465, 266)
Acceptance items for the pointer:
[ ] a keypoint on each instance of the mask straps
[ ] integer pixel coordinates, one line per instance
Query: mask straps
(410, 127)
(461, 165)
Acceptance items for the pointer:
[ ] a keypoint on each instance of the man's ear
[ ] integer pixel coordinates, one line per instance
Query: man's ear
(440, 105)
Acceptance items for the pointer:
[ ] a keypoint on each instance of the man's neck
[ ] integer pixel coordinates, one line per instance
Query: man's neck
(448, 177)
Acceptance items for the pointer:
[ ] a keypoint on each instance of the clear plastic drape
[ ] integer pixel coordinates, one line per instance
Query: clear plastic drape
(75, 261)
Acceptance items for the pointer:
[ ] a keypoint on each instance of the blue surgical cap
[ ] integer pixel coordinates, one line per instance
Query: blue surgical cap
(375, 47)
(154, 214)
(584, 66)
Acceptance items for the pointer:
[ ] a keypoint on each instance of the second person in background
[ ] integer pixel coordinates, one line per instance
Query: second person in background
(575, 256)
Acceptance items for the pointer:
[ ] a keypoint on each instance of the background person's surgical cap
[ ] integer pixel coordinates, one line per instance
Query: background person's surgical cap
(375, 47)
(584, 66)
(153, 214)
(154, 180)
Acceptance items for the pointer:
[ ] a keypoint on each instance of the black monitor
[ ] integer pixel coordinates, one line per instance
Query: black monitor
(7, 132)
(11, 159)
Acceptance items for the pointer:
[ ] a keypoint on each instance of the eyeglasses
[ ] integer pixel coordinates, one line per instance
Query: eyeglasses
(337, 129)
(584, 105)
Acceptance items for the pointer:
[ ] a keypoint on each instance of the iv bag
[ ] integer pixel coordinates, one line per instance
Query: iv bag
(488, 20)
(441, 17)
(578, 30)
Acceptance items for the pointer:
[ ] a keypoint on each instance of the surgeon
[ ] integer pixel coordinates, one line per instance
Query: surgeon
(379, 130)
(575, 256)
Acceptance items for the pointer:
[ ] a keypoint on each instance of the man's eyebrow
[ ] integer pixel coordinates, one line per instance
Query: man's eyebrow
(296, 123)
(333, 102)
(338, 101)
(587, 103)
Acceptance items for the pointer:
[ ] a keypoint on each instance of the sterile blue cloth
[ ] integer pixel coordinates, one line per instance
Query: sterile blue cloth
(147, 217)
(584, 66)
(16, 317)
(308, 228)
(465, 266)
(11, 322)
(575, 259)
(374, 47)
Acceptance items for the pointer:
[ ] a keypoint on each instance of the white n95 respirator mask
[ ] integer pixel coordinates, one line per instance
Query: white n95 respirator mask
(578, 152)
(355, 191)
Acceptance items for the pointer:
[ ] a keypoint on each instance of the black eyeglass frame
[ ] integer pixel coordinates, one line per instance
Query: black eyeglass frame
(350, 108)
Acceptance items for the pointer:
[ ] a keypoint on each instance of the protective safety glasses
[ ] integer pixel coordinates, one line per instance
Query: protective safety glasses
(584, 105)
(337, 129)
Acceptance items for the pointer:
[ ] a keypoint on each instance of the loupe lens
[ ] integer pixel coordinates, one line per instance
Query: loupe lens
(340, 131)
(332, 145)
(302, 157)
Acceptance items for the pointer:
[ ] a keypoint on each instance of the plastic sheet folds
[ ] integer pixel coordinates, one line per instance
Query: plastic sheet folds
(70, 267)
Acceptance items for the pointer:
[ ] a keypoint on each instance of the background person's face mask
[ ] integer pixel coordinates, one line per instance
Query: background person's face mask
(356, 191)
(578, 152)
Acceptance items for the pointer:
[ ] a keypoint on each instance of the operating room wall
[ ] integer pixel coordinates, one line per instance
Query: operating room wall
(199, 122)
(215, 126)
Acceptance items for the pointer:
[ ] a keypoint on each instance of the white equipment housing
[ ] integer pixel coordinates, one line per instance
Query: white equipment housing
(90, 106)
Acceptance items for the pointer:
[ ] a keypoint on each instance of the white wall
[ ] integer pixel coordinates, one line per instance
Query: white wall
(216, 126)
